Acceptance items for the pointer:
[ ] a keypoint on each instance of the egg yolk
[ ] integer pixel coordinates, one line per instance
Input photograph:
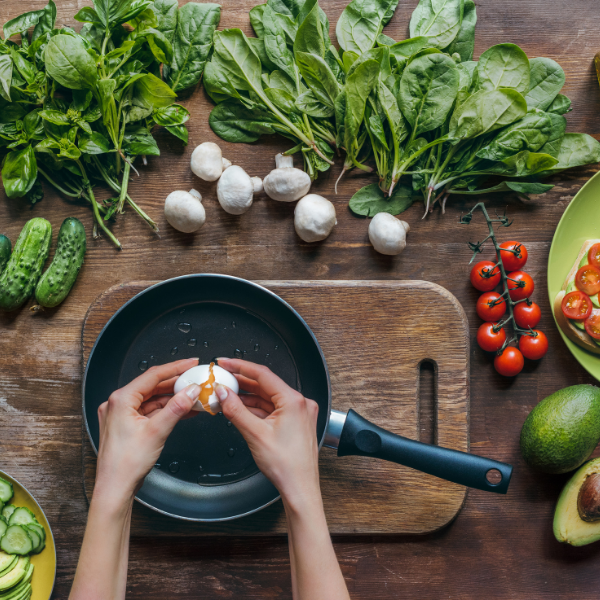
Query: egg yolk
(206, 390)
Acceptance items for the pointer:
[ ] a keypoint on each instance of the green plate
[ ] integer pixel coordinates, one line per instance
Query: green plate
(580, 222)
(44, 563)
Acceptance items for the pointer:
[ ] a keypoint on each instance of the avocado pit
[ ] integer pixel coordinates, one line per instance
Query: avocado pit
(588, 499)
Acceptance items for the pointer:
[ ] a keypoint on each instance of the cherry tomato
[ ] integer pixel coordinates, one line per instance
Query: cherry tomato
(490, 340)
(510, 362)
(587, 280)
(485, 276)
(592, 325)
(527, 315)
(594, 255)
(576, 305)
(520, 285)
(513, 255)
(534, 346)
(490, 306)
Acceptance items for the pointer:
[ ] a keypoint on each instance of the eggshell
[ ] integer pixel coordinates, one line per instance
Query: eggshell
(199, 375)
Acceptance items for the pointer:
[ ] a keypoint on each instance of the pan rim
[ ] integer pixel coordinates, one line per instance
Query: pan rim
(201, 276)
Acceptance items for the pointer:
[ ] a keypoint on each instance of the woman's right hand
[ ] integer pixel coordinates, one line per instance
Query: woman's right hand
(280, 427)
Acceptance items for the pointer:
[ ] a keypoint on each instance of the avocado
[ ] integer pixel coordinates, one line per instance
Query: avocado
(15, 575)
(569, 527)
(7, 562)
(562, 431)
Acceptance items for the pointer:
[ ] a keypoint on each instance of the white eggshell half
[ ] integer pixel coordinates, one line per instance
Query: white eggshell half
(199, 375)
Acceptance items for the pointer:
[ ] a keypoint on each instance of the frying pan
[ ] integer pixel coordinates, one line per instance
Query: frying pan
(206, 471)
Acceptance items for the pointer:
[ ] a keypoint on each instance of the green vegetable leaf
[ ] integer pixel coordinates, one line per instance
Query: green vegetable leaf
(464, 42)
(309, 38)
(171, 115)
(523, 164)
(503, 66)
(116, 12)
(138, 140)
(256, 19)
(561, 105)
(22, 23)
(440, 20)
(6, 69)
(19, 172)
(360, 23)
(179, 131)
(528, 187)
(46, 21)
(282, 99)
(166, 13)
(557, 132)
(95, 143)
(160, 46)
(407, 48)
(192, 43)
(88, 15)
(318, 77)
(152, 92)
(370, 200)
(309, 104)
(547, 79)
(234, 122)
(69, 63)
(576, 150)
(55, 116)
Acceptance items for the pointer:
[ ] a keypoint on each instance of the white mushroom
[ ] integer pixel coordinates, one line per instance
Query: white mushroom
(314, 218)
(235, 190)
(388, 234)
(226, 163)
(184, 210)
(207, 161)
(257, 183)
(286, 183)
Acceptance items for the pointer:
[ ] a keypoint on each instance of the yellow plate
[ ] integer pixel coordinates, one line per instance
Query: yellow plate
(44, 563)
(580, 222)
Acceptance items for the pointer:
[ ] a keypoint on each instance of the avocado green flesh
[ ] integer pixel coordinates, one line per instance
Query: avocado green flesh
(569, 527)
(7, 562)
(15, 575)
(562, 431)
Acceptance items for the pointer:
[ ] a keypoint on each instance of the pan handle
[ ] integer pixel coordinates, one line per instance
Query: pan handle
(360, 437)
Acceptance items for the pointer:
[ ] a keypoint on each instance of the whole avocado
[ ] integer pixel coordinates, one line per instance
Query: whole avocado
(562, 431)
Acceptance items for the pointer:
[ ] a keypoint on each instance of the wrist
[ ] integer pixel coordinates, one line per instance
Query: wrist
(113, 498)
(298, 503)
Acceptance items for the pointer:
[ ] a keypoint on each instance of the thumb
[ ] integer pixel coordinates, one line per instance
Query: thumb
(234, 409)
(176, 408)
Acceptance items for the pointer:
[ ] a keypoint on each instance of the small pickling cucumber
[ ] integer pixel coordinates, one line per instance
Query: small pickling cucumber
(24, 268)
(16, 540)
(57, 281)
(5, 250)
(6, 490)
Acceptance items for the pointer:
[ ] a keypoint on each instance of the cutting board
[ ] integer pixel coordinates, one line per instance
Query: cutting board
(375, 335)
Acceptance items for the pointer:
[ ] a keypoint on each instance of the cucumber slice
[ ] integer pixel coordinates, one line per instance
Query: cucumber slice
(42, 534)
(16, 540)
(22, 516)
(3, 528)
(578, 324)
(8, 510)
(36, 538)
(6, 490)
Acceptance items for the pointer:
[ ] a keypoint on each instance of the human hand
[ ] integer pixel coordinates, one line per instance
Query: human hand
(135, 423)
(280, 427)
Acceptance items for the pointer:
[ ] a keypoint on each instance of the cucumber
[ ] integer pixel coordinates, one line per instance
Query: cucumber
(22, 516)
(16, 540)
(6, 490)
(8, 510)
(57, 281)
(3, 528)
(24, 268)
(42, 533)
(5, 250)
(36, 538)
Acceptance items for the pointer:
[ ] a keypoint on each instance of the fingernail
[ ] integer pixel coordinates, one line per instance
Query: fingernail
(193, 391)
(221, 391)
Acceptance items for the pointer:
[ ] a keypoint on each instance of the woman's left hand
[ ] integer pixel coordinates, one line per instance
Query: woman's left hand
(135, 423)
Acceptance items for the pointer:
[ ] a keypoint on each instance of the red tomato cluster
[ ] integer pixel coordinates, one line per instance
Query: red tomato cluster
(491, 308)
(577, 305)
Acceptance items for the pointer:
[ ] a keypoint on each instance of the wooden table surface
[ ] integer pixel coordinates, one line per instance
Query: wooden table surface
(499, 546)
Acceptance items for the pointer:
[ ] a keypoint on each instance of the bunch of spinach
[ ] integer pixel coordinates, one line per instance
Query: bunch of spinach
(78, 108)
(450, 123)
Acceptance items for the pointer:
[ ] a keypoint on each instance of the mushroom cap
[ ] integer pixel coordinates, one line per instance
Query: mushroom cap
(388, 234)
(286, 184)
(207, 161)
(314, 218)
(235, 190)
(184, 211)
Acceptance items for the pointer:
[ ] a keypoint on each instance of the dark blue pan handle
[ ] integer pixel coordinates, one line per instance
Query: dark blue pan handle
(360, 437)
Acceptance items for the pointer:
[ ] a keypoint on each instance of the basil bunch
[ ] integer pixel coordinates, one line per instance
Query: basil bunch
(78, 108)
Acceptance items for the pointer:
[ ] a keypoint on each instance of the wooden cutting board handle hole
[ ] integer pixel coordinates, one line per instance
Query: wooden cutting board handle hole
(427, 401)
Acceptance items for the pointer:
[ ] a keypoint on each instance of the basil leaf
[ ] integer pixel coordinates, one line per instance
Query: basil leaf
(116, 12)
(55, 116)
(6, 69)
(138, 140)
(464, 42)
(439, 20)
(136, 113)
(22, 23)
(88, 15)
(25, 68)
(160, 46)
(370, 200)
(19, 172)
(69, 63)
(192, 43)
(547, 79)
(360, 23)
(179, 131)
(36, 192)
(171, 115)
(166, 13)
(152, 92)
(46, 21)
(94, 143)
(503, 66)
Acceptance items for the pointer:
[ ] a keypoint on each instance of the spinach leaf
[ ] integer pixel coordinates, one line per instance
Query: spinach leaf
(276, 46)
(234, 122)
(528, 187)
(309, 38)
(361, 22)
(428, 89)
(116, 12)
(464, 42)
(69, 63)
(558, 127)
(318, 77)
(486, 111)
(256, 19)
(409, 47)
(19, 172)
(258, 45)
(152, 92)
(166, 13)
(503, 66)
(523, 164)
(310, 105)
(547, 79)
(370, 200)
(440, 20)
(6, 69)
(529, 133)
(576, 150)
(192, 43)
(561, 105)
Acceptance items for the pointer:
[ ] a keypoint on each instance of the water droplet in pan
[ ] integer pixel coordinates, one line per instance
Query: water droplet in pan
(231, 452)
(238, 353)
(192, 342)
(174, 467)
(143, 365)
(174, 351)
(233, 324)
(229, 423)
(206, 344)
(184, 327)
(256, 347)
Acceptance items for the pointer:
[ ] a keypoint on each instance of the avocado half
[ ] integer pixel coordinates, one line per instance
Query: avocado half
(569, 527)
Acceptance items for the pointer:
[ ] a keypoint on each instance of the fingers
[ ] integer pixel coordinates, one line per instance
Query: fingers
(142, 387)
(252, 401)
(175, 409)
(269, 383)
(247, 423)
(153, 404)
(165, 387)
